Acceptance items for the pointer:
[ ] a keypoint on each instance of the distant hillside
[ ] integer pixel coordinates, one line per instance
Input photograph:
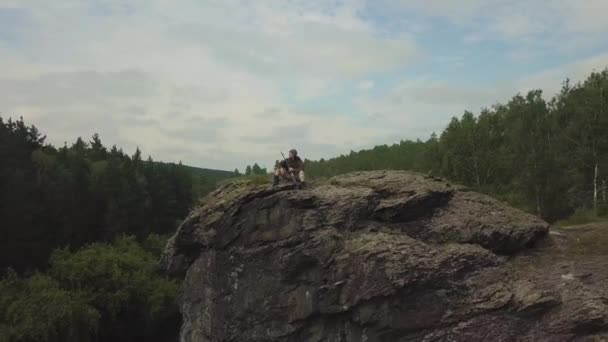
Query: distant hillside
(220, 174)
(205, 180)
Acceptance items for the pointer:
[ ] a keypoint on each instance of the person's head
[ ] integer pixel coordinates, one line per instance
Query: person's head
(293, 153)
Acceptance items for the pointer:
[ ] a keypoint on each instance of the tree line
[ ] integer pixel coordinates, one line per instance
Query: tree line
(255, 170)
(83, 227)
(85, 192)
(100, 292)
(549, 157)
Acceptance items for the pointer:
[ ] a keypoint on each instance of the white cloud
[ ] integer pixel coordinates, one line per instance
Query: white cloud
(417, 107)
(213, 82)
(559, 24)
(365, 85)
(550, 80)
(79, 64)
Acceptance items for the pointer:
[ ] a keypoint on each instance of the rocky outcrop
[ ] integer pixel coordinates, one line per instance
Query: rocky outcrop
(374, 256)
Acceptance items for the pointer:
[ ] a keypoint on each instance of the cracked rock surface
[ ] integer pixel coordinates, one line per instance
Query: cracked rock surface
(375, 256)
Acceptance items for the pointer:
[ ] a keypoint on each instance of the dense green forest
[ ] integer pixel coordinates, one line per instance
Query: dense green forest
(73, 195)
(82, 230)
(101, 292)
(549, 157)
(206, 180)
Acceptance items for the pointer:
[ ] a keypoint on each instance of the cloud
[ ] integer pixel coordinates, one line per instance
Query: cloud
(269, 113)
(136, 71)
(293, 134)
(456, 61)
(197, 130)
(319, 40)
(56, 89)
(419, 106)
(551, 79)
(192, 94)
(561, 24)
(226, 83)
(79, 103)
(365, 85)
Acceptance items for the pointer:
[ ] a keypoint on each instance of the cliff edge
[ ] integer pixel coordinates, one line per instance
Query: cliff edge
(379, 256)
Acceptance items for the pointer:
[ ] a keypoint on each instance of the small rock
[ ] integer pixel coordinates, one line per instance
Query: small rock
(568, 276)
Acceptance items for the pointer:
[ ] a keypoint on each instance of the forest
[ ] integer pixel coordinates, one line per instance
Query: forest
(83, 193)
(546, 156)
(82, 229)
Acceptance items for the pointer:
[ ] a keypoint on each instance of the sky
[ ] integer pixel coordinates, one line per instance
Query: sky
(226, 83)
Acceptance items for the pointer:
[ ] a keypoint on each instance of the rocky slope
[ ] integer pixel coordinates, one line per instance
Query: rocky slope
(378, 256)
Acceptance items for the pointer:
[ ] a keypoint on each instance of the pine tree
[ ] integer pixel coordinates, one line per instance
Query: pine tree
(97, 150)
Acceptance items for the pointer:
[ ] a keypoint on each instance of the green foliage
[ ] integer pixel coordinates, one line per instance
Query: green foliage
(84, 193)
(100, 292)
(114, 275)
(255, 170)
(248, 180)
(155, 243)
(581, 216)
(38, 309)
(206, 180)
(548, 158)
(602, 209)
(407, 155)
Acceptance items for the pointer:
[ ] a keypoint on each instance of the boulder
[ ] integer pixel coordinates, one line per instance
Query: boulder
(371, 256)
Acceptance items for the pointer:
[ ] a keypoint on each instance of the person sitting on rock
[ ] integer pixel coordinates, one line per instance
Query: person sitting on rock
(293, 165)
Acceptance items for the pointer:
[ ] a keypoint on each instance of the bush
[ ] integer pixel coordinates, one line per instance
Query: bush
(602, 209)
(122, 281)
(581, 216)
(38, 309)
(249, 180)
(100, 292)
(155, 243)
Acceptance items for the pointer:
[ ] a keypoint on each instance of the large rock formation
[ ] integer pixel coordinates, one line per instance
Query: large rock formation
(376, 256)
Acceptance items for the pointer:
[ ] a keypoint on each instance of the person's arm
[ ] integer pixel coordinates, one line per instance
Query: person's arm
(299, 166)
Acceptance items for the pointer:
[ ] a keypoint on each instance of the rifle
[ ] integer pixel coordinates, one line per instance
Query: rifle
(293, 177)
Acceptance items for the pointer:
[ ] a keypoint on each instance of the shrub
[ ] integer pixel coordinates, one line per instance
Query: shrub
(38, 309)
(122, 281)
(580, 216)
(100, 292)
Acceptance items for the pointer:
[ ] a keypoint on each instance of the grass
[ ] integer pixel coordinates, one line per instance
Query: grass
(243, 183)
(248, 180)
(580, 217)
(589, 239)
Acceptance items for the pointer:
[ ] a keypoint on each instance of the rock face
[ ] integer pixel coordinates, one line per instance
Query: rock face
(374, 256)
